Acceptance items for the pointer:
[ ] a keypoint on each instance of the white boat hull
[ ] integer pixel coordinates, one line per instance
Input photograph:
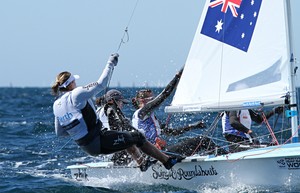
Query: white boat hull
(272, 166)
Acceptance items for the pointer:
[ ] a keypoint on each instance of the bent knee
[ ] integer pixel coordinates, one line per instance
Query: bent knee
(139, 138)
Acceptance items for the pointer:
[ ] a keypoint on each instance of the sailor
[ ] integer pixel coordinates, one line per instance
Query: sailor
(108, 105)
(236, 126)
(75, 116)
(145, 120)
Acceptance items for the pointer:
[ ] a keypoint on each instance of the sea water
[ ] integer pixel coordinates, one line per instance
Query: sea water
(33, 159)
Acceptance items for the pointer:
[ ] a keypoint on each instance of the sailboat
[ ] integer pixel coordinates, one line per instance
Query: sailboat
(241, 58)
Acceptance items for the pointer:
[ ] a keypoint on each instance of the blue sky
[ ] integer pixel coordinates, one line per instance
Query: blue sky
(40, 38)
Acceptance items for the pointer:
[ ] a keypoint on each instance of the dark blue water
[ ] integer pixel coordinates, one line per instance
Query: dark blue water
(33, 159)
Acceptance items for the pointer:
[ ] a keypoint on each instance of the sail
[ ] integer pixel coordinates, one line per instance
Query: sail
(239, 58)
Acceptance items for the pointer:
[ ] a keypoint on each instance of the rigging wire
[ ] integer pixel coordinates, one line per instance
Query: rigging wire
(126, 34)
(211, 128)
(268, 151)
(63, 146)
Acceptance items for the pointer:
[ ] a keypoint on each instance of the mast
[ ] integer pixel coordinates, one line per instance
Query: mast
(293, 97)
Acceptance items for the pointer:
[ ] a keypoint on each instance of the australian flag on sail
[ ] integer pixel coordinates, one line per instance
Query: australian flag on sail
(232, 21)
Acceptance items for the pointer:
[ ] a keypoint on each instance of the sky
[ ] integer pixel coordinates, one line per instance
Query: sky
(41, 38)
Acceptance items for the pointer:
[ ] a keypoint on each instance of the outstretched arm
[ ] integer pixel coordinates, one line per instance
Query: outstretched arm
(153, 104)
(257, 117)
(81, 94)
(179, 131)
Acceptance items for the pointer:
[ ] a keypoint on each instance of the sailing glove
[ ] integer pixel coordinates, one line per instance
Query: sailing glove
(113, 59)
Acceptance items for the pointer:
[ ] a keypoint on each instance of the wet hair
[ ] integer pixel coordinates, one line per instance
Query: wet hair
(60, 79)
(141, 94)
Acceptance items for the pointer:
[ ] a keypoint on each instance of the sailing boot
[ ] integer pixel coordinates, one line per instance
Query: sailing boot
(147, 163)
(172, 161)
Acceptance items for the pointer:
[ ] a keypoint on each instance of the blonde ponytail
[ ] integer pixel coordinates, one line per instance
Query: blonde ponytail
(60, 79)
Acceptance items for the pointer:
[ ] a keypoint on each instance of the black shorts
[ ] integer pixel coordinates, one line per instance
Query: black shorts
(113, 141)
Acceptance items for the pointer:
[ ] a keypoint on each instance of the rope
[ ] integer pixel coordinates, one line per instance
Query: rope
(168, 120)
(240, 143)
(63, 146)
(269, 128)
(122, 41)
(279, 146)
(126, 34)
(212, 127)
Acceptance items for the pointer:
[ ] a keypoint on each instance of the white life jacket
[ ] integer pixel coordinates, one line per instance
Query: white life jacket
(71, 118)
(149, 125)
(244, 118)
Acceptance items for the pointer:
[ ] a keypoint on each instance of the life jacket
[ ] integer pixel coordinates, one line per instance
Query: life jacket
(80, 124)
(244, 118)
(149, 126)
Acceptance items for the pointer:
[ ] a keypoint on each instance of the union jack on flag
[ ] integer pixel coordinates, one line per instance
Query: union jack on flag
(233, 26)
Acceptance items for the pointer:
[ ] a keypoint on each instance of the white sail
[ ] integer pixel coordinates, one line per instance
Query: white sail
(251, 68)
